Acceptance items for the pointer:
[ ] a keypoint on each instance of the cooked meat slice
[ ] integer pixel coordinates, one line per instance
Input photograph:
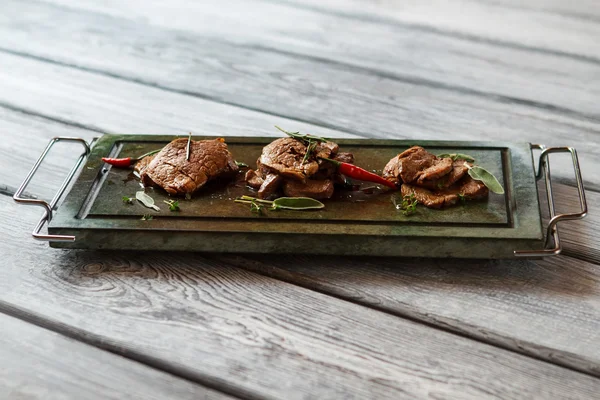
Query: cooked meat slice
(391, 172)
(312, 188)
(142, 164)
(439, 168)
(344, 157)
(407, 166)
(253, 179)
(428, 198)
(416, 165)
(472, 189)
(209, 160)
(458, 171)
(467, 187)
(269, 186)
(285, 156)
(326, 149)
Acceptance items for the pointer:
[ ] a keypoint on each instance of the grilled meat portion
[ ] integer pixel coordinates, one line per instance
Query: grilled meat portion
(270, 185)
(459, 169)
(253, 179)
(142, 164)
(415, 164)
(286, 157)
(283, 165)
(435, 182)
(209, 160)
(312, 188)
(468, 188)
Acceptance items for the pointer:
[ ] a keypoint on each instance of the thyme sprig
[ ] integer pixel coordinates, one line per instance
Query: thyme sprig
(310, 141)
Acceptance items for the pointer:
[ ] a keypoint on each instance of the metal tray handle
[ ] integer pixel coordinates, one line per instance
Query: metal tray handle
(49, 207)
(552, 228)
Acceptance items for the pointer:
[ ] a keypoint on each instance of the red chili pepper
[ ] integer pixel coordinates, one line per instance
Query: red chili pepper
(352, 171)
(127, 161)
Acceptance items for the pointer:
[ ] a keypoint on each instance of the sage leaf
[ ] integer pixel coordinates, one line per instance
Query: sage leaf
(297, 203)
(488, 179)
(457, 156)
(146, 200)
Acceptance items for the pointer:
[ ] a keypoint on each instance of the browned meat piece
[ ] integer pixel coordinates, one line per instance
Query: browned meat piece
(468, 188)
(344, 157)
(315, 189)
(253, 179)
(141, 165)
(440, 167)
(472, 189)
(458, 171)
(326, 149)
(428, 198)
(285, 156)
(414, 164)
(270, 185)
(209, 160)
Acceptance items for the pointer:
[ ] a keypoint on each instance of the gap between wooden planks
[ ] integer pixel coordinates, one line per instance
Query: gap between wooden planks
(36, 363)
(226, 326)
(429, 53)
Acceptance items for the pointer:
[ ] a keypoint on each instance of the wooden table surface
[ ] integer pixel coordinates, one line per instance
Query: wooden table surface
(78, 325)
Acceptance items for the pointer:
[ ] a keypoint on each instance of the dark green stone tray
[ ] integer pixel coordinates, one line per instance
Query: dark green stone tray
(352, 223)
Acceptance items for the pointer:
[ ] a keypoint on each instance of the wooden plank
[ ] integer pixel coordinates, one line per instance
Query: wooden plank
(554, 26)
(338, 98)
(580, 238)
(257, 336)
(547, 309)
(415, 51)
(39, 364)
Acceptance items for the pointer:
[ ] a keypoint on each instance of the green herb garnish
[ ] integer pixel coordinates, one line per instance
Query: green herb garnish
(304, 138)
(310, 141)
(147, 217)
(127, 200)
(462, 198)
(408, 204)
(486, 177)
(173, 205)
(457, 156)
(282, 203)
(241, 164)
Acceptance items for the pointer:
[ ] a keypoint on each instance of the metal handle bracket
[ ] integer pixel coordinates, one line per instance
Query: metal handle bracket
(49, 207)
(555, 248)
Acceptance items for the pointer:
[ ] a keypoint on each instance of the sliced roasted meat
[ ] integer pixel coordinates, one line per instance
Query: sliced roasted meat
(416, 164)
(270, 185)
(253, 179)
(467, 188)
(209, 160)
(472, 189)
(439, 168)
(459, 169)
(312, 188)
(286, 156)
(326, 149)
(431, 199)
(142, 164)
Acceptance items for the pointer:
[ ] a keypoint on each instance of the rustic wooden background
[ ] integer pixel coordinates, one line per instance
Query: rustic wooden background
(136, 325)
